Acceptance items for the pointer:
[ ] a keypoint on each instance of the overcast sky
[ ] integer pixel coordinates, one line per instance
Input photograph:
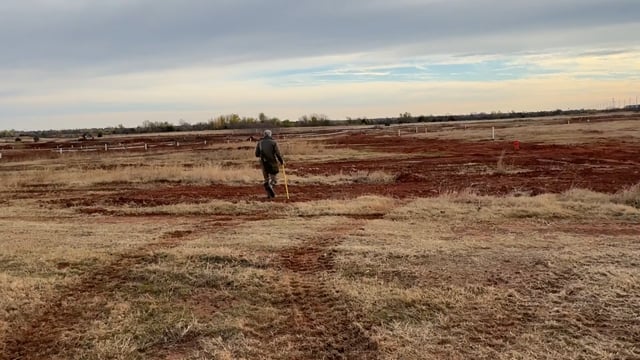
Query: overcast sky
(99, 63)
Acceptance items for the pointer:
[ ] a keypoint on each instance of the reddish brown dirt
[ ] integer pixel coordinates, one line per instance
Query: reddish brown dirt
(425, 168)
(448, 165)
(321, 321)
(118, 144)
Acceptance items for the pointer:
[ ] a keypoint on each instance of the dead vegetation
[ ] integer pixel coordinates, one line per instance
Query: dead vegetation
(216, 164)
(89, 271)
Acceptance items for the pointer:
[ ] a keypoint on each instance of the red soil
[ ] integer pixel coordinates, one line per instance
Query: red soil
(426, 168)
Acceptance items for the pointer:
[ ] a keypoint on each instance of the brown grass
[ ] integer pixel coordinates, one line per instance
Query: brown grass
(219, 163)
(523, 277)
(457, 276)
(630, 196)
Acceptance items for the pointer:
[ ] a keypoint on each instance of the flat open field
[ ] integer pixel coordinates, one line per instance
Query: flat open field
(420, 241)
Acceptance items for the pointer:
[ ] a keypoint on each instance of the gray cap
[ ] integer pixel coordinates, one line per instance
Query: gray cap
(267, 133)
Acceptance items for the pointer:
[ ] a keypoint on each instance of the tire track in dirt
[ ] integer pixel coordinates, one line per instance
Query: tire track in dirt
(72, 310)
(321, 321)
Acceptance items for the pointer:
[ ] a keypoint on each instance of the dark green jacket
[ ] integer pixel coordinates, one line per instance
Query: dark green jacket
(269, 153)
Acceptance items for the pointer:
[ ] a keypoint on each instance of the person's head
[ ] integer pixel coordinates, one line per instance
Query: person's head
(267, 133)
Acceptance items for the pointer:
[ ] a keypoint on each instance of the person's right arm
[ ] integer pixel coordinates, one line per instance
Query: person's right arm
(276, 151)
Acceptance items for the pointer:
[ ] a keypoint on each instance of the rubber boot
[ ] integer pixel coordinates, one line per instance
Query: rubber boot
(269, 189)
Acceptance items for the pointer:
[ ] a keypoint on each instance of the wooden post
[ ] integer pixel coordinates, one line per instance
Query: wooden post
(146, 147)
(493, 133)
(106, 147)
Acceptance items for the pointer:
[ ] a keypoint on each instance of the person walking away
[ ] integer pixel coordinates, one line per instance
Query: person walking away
(269, 153)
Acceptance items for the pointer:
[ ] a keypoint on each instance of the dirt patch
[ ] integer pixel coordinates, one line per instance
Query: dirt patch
(436, 166)
(407, 177)
(323, 324)
(424, 168)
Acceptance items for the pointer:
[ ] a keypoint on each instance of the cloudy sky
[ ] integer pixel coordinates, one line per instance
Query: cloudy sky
(98, 63)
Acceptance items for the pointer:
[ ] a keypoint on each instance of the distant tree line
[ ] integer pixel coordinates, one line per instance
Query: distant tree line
(234, 121)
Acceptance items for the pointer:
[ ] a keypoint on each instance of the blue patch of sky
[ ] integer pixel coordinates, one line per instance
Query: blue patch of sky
(491, 70)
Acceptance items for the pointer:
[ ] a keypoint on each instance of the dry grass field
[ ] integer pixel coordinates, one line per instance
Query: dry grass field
(408, 242)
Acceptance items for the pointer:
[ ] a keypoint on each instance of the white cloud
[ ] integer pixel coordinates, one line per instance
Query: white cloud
(144, 59)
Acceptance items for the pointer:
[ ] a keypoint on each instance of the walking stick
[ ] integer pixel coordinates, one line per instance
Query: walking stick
(286, 187)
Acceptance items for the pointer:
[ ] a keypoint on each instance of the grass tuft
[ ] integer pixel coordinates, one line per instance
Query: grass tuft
(630, 196)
